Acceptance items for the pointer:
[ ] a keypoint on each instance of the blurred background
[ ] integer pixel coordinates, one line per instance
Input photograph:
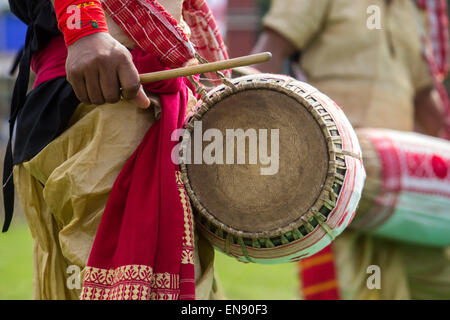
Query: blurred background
(239, 21)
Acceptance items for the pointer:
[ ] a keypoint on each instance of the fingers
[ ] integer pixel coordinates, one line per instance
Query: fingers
(94, 88)
(103, 86)
(131, 86)
(129, 80)
(76, 79)
(101, 70)
(110, 86)
(86, 84)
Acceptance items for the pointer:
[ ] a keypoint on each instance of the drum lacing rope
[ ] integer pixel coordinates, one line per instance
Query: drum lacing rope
(244, 249)
(221, 76)
(199, 88)
(297, 234)
(322, 223)
(256, 244)
(228, 240)
(240, 240)
(309, 228)
(350, 154)
(332, 193)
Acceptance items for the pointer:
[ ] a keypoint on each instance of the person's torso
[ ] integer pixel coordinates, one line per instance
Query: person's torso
(365, 57)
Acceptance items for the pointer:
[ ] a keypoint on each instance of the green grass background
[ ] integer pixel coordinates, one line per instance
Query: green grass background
(238, 280)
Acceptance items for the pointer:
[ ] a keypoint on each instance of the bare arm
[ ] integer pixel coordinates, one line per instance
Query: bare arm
(280, 47)
(429, 112)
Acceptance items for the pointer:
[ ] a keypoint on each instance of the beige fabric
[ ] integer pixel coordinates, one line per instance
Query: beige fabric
(374, 75)
(63, 191)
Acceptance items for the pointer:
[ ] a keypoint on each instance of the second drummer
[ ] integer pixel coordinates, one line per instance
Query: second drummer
(380, 79)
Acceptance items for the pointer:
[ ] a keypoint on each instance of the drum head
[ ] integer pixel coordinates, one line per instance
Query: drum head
(238, 195)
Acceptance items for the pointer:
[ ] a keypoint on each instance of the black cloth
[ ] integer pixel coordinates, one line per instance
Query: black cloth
(43, 114)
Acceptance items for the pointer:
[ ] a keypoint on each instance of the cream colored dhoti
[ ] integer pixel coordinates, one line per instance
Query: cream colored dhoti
(64, 189)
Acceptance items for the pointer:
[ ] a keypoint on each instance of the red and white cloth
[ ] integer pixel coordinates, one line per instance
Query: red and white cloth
(219, 9)
(436, 49)
(438, 32)
(154, 30)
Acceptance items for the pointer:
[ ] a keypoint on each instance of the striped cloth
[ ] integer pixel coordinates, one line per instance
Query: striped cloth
(436, 49)
(438, 33)
(154, 30)
(318, 276)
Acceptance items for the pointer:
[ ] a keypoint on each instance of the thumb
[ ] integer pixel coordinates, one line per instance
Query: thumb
(141, 99)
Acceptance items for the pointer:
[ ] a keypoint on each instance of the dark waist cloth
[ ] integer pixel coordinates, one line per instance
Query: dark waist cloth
(40, 116)
(48, 107)
(44, 116)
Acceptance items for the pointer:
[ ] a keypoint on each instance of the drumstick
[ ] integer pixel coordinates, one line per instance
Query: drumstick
(204, 68)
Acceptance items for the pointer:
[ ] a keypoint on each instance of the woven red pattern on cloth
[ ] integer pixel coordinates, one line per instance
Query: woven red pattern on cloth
(205, 33)
(154, 30)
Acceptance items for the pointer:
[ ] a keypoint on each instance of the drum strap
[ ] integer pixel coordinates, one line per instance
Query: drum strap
(318, 276)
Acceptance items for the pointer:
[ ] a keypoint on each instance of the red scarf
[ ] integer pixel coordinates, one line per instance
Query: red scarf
(144, 246)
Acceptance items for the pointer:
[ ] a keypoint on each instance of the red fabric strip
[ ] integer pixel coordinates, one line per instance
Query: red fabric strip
(78, 19)
(318, 275)
(50, 62)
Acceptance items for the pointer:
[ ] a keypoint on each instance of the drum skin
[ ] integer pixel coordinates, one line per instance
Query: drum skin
(293, 212)
(407, 192)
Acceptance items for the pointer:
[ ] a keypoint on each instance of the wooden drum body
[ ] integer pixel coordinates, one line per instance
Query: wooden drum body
(407, 191)
(263, 216)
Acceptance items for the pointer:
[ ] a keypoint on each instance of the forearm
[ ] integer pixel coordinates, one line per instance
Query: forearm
(429, 112)
(280, 48)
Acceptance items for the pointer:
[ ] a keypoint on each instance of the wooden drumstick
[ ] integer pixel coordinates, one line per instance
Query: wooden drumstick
(204, 68)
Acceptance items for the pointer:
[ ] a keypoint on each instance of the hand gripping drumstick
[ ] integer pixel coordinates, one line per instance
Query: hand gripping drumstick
(204, 68)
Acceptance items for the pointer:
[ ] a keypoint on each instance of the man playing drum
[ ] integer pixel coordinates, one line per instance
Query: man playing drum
(374, 69)
(71, 138)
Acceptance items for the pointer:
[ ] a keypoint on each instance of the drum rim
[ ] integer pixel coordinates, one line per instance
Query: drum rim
(271, 82)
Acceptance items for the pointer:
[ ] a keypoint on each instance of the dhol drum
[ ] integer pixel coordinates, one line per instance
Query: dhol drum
(272, 167)
(407, 192)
